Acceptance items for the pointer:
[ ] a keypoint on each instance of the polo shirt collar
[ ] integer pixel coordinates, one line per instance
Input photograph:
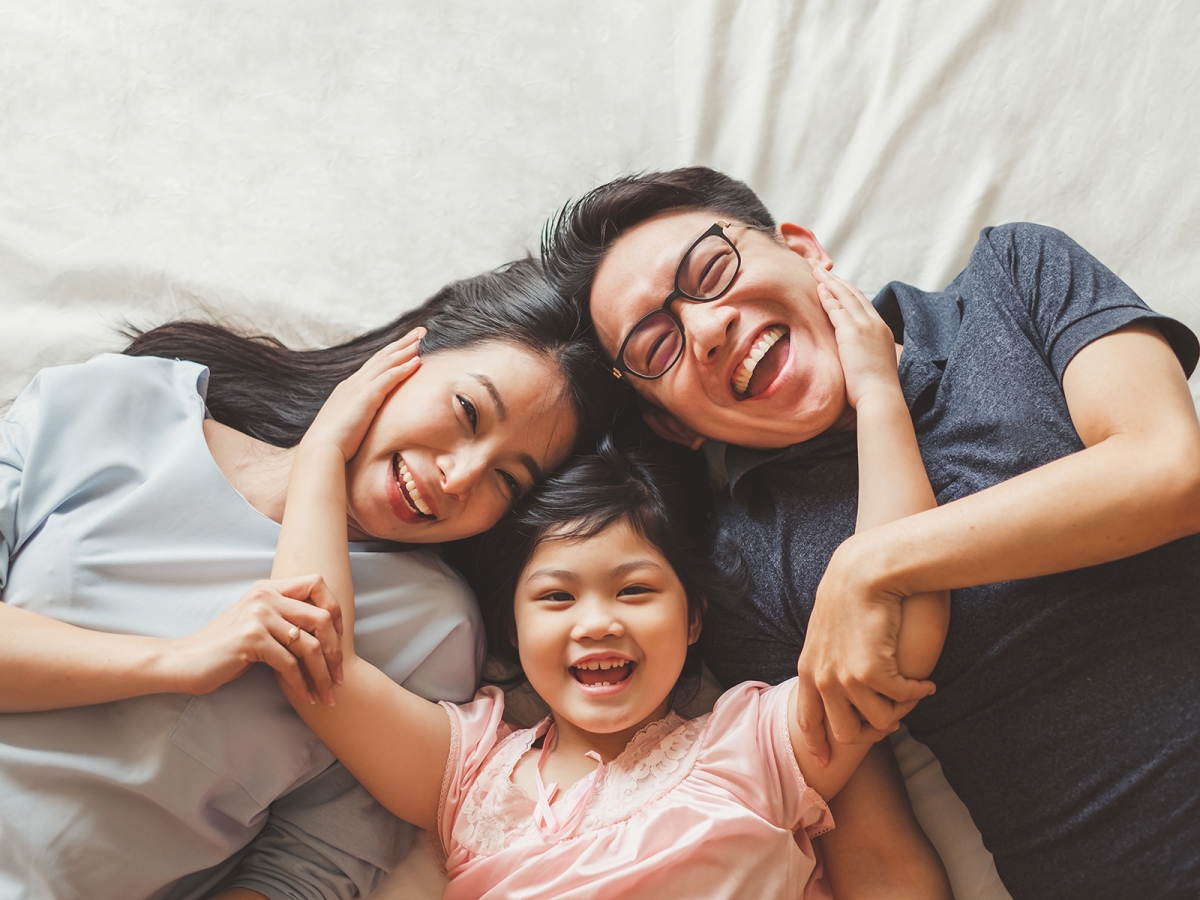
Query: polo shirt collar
(926, 324)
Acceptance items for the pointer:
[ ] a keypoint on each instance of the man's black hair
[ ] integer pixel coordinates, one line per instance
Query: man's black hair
(575, 241)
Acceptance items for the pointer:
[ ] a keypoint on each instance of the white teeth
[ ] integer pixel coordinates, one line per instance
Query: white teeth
(741, 379)
(596, 666)
(413, 494)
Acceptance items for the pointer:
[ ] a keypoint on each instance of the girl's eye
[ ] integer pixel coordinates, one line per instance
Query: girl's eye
(634, 590)
(469, 409)
(513, 486)
(558, 597)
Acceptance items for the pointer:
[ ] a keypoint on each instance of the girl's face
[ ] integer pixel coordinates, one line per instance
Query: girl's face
(453, 446)
(602, 629)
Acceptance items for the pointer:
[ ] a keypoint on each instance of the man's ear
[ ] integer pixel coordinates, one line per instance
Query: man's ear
(669, 428)
(800, 240)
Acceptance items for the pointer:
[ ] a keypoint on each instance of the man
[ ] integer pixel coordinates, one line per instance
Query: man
(1053, 415)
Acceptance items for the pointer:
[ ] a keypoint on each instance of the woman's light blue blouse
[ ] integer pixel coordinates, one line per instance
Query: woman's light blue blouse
(115, 517)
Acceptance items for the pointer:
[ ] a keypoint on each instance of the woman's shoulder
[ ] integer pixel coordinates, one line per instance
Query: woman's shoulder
(107, 380)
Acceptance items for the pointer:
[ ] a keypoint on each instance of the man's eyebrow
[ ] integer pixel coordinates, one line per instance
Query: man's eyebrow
(491, 389)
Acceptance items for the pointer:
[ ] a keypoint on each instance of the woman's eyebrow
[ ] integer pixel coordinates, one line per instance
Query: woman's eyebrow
(535, 471)
(490, 387)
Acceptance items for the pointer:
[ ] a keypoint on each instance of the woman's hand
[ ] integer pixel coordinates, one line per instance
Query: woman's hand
(347, 414)
(293, 625)
(866, 345)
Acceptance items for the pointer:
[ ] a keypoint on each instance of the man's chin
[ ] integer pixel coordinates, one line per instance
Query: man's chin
(770, 430)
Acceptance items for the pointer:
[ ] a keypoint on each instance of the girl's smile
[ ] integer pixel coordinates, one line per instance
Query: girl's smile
(602, 630)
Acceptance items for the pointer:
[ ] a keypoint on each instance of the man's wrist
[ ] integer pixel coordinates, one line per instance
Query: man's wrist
(868, 559)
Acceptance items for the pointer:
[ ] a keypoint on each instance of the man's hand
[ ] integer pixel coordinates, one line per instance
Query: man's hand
(850, 683)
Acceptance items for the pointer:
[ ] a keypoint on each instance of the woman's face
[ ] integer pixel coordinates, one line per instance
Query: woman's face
(453, 447)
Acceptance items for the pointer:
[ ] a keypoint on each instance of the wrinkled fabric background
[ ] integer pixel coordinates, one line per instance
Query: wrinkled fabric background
(310, 169)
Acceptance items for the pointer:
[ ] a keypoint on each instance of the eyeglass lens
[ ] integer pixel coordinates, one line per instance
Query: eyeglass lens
(656, 342)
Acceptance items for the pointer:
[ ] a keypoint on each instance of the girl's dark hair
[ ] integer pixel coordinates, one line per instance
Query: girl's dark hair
(659, 488)
(273, 393)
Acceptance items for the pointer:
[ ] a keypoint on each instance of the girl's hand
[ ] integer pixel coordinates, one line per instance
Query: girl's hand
(293, 625)
(865, 343)
(347, 414)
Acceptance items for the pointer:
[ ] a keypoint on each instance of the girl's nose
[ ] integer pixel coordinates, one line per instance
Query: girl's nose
(596, 620)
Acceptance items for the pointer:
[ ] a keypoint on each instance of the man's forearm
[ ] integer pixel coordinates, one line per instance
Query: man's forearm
(1118, 498)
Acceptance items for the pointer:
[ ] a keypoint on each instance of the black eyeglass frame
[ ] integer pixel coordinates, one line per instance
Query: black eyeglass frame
(718, 229)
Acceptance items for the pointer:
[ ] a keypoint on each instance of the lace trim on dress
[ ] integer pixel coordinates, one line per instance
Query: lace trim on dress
(497, 814)
(789, 751)
(452, 759)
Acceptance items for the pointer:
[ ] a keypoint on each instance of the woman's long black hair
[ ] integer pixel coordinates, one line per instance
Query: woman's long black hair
(273, 393)
(660, 489)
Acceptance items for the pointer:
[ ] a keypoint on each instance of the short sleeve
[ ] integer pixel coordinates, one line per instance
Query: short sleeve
(14, 446)
(1071, 298)
(326, 839)
(746, 745)
(475, 729)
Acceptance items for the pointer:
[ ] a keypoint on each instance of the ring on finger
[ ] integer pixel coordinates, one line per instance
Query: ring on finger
(293, 633)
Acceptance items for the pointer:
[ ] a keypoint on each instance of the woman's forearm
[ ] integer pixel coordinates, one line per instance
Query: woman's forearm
(48, 664)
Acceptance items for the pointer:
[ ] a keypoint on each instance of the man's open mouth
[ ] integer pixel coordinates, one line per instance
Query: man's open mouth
(408, 488)
(603, 674)
(762, 363)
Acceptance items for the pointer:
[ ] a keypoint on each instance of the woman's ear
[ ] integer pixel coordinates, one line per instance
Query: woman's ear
(801, 240)
(694, 625)
(669, 428)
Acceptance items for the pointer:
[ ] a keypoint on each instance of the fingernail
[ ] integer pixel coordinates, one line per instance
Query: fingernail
(311, 698)
(338, 675)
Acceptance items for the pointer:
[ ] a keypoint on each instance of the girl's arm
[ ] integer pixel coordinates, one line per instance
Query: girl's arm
(892, 484)
(878, 849)
(394, 742)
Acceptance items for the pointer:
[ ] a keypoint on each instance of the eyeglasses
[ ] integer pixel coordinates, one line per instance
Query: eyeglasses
(705, 273)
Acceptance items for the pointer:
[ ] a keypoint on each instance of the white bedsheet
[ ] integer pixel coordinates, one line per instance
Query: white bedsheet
(311, 168)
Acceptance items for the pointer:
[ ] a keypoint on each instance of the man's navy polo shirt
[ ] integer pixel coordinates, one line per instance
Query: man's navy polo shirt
(1067, 715)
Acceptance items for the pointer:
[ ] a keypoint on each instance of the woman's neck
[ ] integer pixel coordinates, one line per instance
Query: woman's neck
(257, 470)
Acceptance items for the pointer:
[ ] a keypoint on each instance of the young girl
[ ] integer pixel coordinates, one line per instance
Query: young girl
(607, 578)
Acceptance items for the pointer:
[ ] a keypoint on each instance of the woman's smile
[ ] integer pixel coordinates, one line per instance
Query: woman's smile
(453, 446)
(406, 498)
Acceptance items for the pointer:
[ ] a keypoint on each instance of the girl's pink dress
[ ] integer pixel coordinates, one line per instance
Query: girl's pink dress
(708, 807)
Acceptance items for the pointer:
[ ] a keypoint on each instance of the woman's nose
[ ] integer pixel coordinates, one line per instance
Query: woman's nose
(707, 326)
(460, 471)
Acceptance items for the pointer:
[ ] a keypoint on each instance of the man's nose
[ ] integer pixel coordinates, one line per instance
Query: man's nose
(707, 326)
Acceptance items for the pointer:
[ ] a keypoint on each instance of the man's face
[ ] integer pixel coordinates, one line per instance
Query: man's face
(797, 389)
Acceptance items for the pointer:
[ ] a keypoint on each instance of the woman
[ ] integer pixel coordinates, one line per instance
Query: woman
(141, 753)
